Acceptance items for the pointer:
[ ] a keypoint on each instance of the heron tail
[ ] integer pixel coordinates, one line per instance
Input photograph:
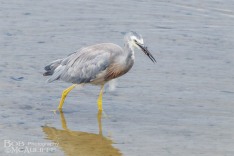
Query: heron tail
(50, 70)
(47, 73)
(51, 67)
(56, 74)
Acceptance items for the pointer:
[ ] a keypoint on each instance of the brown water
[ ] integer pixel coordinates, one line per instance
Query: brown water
(181, 106)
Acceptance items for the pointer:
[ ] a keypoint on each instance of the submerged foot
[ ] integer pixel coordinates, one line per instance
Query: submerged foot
(57, 110)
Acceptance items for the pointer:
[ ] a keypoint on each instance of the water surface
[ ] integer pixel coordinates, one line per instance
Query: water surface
(183, 105)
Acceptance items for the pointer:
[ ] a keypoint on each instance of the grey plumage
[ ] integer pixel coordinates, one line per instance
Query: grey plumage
(85, 65)
(96, 64)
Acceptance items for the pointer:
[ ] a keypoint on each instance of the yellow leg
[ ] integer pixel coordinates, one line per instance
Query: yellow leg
(99, 101)
(64, 95)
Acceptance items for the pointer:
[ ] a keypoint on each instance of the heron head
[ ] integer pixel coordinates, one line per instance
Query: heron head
(136, 40)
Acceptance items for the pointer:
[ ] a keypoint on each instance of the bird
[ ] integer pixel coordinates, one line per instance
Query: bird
(96, 64)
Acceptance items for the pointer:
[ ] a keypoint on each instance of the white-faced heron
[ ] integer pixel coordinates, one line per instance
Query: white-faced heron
(96, 64)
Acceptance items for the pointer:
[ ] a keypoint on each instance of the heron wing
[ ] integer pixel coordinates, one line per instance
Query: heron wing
(83, 66)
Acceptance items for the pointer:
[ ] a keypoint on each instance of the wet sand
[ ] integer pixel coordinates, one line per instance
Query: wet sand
(183, 105)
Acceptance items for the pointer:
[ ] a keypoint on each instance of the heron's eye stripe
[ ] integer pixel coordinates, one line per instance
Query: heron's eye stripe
(135, 40)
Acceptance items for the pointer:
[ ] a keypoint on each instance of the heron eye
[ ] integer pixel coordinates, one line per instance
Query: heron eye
(135, 40)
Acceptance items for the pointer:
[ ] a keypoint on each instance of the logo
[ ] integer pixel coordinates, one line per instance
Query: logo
(17, 146)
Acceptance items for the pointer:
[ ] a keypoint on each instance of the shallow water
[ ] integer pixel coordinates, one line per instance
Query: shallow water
(183, 105)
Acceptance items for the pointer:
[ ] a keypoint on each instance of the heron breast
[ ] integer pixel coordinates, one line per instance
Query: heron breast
(116, 70)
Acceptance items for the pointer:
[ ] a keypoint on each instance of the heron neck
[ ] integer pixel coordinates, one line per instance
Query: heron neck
(128, 48)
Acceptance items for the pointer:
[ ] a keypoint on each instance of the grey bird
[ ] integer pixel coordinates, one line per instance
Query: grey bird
(96, 64)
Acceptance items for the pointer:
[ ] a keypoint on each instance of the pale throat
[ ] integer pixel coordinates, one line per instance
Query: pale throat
(130, 48)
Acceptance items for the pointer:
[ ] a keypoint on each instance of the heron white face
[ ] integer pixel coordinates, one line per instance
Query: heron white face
(134, 41)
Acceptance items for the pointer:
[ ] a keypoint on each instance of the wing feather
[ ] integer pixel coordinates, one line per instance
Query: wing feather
(87, 65)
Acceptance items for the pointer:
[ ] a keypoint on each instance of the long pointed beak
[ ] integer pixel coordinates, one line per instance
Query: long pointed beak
(146, 51)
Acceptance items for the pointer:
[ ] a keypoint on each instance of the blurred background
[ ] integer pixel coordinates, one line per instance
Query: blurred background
(182, 105)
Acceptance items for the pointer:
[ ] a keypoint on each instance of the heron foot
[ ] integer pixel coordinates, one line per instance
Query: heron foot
(57, 110)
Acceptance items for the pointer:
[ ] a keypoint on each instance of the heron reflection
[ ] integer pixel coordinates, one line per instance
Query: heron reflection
(81, 143)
